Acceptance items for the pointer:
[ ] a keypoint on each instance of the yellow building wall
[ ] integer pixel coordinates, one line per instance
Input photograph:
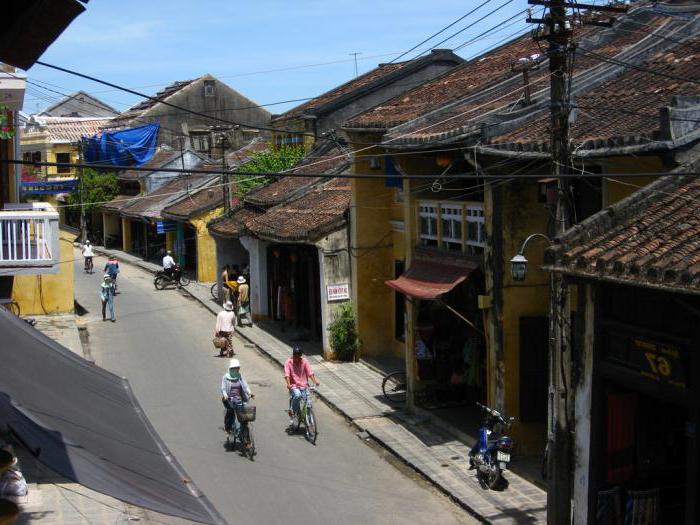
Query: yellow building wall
(374, 251)
(52, 171)
(48, 294)
(170, 238)
(522, 215)
(614, 189)
(206, 246)
(126, 234)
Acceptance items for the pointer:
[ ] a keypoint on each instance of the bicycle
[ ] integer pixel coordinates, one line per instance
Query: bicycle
(88, 265)
(394, 386)
(306, 415)
(244, 433)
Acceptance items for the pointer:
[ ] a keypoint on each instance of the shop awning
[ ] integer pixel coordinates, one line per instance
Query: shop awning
(86, 424)
(429, 280)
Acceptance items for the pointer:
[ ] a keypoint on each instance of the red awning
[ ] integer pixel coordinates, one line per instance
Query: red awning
(429, 280)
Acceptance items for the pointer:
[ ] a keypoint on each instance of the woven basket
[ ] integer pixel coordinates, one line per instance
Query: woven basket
(246, 414)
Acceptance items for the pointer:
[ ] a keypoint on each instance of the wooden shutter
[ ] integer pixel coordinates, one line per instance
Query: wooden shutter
(534, 377)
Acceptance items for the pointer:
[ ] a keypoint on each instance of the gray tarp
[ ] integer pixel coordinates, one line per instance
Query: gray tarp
(85, 423)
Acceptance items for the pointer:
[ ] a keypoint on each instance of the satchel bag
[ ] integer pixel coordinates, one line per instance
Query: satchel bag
(219, 342)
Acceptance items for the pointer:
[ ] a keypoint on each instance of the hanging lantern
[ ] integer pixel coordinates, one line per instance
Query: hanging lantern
(518, 267)
(443, 160)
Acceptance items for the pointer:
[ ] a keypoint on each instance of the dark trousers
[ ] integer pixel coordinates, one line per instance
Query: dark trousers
(230, 416)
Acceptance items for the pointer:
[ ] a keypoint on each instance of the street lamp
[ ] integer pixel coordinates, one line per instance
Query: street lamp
(518, 264)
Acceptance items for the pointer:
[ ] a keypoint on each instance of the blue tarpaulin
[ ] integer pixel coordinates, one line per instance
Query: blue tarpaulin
(126, 147)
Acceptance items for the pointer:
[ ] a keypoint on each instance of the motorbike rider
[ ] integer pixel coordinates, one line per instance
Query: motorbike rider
(234, 393)
(168, 264)
(297, 372)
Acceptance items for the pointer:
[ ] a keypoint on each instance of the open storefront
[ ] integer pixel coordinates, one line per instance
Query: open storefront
(448, 340)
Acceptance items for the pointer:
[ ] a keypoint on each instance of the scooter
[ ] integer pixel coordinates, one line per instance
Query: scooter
(490, 455)
(162, 279)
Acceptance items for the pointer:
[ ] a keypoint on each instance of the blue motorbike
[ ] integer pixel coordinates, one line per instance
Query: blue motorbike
(490, 455)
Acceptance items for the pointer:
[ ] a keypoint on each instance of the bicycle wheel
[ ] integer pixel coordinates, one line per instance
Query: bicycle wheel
(311, 425)
(215, 292)
(159, 282)
(184, 280)
(394, 387)
(248, 442)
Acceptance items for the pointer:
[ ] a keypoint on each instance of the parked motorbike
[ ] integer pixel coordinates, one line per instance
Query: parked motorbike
(490, 455)
(178, 278)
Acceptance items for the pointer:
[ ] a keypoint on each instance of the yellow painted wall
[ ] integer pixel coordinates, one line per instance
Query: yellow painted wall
(41, 294)
(126, 234)
(206, 246)
(614, 189)
(522, 215)
(373, 261)
(288, 127)
(52, 171)
(170, 238)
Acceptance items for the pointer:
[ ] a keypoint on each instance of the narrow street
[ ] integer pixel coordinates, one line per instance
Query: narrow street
(162, 343)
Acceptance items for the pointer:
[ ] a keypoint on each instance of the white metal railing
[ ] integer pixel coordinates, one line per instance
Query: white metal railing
(29, 238)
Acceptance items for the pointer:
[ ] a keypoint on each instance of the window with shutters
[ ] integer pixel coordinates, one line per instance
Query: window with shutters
(428, 214)
(451, 216)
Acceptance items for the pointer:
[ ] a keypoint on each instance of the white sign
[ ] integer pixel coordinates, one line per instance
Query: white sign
(338, 292)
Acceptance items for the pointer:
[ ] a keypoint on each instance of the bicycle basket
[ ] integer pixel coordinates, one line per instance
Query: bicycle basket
(220, 342)
(246, 414)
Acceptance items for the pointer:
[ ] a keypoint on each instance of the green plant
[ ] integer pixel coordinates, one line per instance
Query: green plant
(343, 333)
(272, 160)
(6, 131)
(97, 187)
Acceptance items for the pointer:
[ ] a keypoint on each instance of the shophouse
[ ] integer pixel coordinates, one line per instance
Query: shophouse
(448, 129)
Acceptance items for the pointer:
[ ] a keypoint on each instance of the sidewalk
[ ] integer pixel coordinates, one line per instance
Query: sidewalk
(354, 389)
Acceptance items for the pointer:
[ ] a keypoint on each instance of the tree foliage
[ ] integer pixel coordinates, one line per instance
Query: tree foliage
(272, 160)
(97, 187)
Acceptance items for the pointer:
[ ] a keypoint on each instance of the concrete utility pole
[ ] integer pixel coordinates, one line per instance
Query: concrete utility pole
(225, 176)
(558, 33)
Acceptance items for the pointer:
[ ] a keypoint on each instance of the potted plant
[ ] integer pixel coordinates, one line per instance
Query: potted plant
(344, 340)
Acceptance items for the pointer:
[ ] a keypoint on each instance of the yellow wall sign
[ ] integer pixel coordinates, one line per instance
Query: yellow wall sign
(659, 361)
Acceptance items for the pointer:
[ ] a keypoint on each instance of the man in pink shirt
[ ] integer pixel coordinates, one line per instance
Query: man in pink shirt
(297, 372)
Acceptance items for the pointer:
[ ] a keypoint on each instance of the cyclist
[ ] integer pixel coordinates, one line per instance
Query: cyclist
(297, 372)
(234, 393)
(112, 269)
(88, 254)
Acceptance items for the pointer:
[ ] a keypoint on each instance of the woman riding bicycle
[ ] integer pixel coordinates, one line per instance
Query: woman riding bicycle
(235, 393)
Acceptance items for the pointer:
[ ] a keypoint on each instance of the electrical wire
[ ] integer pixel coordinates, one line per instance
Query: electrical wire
(441, 30)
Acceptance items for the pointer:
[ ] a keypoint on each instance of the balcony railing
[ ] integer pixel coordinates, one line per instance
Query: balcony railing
(29, 239)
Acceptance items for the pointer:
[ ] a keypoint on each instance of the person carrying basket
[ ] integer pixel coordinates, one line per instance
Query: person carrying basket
(235, 394)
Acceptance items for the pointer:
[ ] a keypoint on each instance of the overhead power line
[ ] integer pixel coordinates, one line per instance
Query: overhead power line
(463, 175)
(441, 30)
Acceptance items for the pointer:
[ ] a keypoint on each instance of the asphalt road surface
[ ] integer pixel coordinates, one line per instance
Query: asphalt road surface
(161, 342)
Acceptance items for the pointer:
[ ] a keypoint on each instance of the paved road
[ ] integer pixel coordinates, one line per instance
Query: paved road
(162, 343)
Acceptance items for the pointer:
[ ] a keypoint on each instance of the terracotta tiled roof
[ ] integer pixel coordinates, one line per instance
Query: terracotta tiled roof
(357, 83)
(118, 203)
(150, 206)
(467, 78)
(233, 224)
(137, 109)
(243, 155)
(624, 110)
(478, 96)
(651, 238)
(160, 158)
(327, 157)
(198, 202)
(317, 213)
(65, 129)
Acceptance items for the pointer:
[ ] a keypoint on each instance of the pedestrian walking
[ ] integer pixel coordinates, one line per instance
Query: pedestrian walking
(224, 328)
(243, 308)
(107, 296)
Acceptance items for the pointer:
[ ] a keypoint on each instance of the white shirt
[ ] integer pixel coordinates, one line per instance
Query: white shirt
(224, 321)
(87, 251)
(168, 262)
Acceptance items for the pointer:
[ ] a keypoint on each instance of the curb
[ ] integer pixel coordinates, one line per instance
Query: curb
(356, 423)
